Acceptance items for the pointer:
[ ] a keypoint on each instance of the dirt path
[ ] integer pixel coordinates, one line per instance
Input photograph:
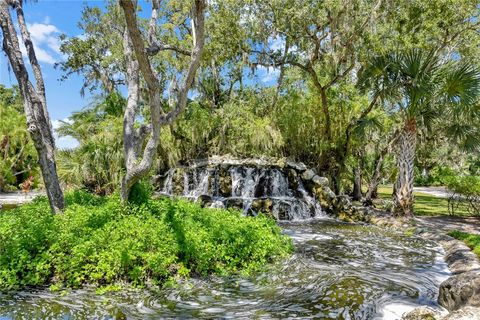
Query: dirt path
(439, 192)
(17, 198)
(447, 224)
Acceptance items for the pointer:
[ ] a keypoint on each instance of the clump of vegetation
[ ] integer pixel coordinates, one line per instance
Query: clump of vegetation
(18, 160)
(465, 194)
(472, 240)
(99, 241)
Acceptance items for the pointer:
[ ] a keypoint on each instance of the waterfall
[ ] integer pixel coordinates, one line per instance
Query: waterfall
(253, 189)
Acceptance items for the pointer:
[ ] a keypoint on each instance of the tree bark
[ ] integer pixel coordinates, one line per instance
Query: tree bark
(34, 100)
(357, 183)
(138, 63)
(375, 180)
(403, 191)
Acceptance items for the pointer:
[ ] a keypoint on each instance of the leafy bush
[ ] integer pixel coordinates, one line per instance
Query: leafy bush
(438, 176)
(100, 241)
(465, 185)
(18, 160)
(465, 191)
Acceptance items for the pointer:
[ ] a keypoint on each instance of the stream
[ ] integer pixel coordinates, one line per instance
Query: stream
(338, 271)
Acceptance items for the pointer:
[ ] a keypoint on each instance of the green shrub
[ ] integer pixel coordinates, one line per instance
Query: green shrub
(465, 185)
(438, 176)
(102, 242)
(465, 192)
(140, 192)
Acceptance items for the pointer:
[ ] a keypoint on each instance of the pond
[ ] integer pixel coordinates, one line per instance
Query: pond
(338, 271)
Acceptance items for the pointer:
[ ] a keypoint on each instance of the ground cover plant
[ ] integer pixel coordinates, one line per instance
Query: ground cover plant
(99, 241)
(472, 240)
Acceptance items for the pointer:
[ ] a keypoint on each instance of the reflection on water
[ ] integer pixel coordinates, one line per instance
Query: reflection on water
(339, 271)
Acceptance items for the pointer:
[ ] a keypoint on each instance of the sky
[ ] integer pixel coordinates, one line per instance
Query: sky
(47, 20)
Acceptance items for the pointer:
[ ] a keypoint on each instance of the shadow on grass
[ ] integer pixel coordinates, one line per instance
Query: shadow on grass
(425, 204)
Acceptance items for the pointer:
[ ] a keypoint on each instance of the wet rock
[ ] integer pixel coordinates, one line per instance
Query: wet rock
(262, 205)
(320, 181)
(205, 200)
(225, 183)
(308, 175)
(325, 196)
(422, 313)
(178, 181)
(234, 203)
(460, 290)
(293, 180)
(466, 313)
(297, 166)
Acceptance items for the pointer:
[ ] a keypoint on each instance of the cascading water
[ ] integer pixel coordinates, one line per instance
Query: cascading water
(252, 189)
(338, 270)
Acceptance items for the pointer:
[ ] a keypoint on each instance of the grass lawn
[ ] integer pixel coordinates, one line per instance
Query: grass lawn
(472, 240)
(425, 204)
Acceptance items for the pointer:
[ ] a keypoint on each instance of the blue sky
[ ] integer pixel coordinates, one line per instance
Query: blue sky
(47, 20)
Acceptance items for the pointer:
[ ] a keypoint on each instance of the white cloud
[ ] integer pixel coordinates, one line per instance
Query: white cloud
(46, 42)
(277, 43)
(67, 142)
(268, 74)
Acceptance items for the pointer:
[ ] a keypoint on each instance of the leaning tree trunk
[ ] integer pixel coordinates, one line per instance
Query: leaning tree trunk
(403, 191)
(34, 100)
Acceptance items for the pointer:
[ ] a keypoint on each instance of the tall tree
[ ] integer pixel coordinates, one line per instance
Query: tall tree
(34, 100)
(425, 88)
(138, 63)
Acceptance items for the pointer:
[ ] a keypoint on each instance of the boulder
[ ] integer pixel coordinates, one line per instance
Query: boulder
(292, 179)
(320, 181)
(466, 313)
(297, 166)
(460, 290)
(459, 257)
(178, 181)
(422, 313)
(308, 175)
(225, 182)
(262, 205)
(205, 200)
(234, 203)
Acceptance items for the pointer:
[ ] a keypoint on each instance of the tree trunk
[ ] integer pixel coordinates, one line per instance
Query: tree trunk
(373, 185)
(375, 180)
(34, 100)
(357, 183)
(138, 62)
(403, 195)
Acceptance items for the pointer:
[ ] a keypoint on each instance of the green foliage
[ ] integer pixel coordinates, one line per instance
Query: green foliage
(472, 240)
(438, 176)
(18, 158)
(465, 185)
(240, 127)
(101, 242)
(140, 192)
(465, 194)
(97, 163)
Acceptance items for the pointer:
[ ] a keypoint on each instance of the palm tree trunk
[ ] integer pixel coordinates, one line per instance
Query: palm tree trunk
(403, 195)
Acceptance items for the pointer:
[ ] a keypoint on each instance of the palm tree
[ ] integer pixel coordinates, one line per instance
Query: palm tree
(423, 88)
